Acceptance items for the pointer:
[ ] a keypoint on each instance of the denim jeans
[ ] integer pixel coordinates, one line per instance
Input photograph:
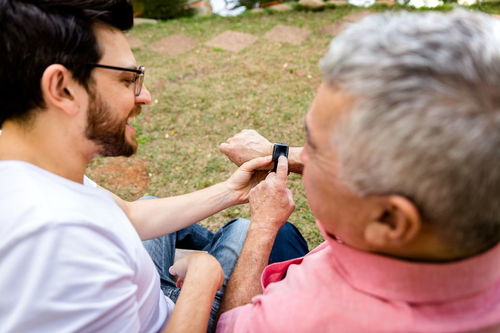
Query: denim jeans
(225, 245)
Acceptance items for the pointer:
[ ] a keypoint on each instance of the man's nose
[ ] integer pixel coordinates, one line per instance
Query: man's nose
(144, 97)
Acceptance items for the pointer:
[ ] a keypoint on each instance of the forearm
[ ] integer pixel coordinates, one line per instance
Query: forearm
(157, 217)
(192, 309)
(245, 279)
(294, 162)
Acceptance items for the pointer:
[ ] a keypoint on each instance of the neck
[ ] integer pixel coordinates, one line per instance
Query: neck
(47, 146)
(428, 247)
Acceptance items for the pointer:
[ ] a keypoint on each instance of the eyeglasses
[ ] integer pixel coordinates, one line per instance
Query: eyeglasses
(138, 79)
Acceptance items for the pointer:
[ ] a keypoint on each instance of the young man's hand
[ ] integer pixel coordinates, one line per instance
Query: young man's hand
(271, 203)
(200, 265)
(246, 177)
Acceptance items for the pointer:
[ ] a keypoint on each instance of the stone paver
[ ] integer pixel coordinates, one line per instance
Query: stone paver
(337, 2)
(173, 45)
(257, 10)
(312, 4)
(356, 16)
(233, 41)
(287, 34)
(335, 28)
(283, 7)
(140, 20)
(133, 41)
(386, 2)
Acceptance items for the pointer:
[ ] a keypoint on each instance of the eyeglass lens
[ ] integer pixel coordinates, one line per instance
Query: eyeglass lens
(139, 82)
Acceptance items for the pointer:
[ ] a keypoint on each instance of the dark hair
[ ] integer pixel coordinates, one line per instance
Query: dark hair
(37, 33)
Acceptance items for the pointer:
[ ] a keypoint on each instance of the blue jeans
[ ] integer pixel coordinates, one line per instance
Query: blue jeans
(225, 245)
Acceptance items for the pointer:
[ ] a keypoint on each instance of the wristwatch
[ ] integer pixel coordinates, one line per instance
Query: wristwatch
(279, 149)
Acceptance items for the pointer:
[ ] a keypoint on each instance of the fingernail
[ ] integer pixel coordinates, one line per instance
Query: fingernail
(172, 271)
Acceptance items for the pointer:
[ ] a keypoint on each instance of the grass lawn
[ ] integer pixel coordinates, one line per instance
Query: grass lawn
(205, 95)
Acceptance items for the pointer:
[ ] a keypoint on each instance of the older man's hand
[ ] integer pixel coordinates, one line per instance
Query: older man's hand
(245, 146)
(271, 202)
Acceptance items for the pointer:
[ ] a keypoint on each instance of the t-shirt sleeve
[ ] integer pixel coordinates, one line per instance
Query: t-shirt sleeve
(89, 182)
(67, 278)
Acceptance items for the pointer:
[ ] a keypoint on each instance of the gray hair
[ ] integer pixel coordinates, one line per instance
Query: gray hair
(426, 124)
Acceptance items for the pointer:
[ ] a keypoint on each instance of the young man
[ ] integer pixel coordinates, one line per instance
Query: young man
(401, 171)
(71, 255)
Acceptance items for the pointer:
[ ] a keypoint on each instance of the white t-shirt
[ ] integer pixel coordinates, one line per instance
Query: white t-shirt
(70, 260)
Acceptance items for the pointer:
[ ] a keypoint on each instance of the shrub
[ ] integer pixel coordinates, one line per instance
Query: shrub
(165, 9)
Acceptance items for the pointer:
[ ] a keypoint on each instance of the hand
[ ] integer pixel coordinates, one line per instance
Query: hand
(200, 264)
(245, 146)
(247, 176)
(271, 202)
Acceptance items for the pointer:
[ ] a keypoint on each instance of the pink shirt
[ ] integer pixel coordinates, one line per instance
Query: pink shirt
(336, 288)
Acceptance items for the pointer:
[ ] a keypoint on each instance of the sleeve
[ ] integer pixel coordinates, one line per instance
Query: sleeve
(89, 182)
(279, 309)
(257, 316)
(227, 320)
(67, 278)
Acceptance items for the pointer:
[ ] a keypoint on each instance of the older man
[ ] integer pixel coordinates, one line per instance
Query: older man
(401, 171)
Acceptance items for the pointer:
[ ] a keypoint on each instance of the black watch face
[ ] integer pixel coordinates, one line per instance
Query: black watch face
(279, 149)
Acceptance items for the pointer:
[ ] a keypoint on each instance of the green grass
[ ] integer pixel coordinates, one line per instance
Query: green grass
(203, 97)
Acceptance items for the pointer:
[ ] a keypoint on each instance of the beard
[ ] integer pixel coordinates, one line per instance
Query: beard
(106, 131)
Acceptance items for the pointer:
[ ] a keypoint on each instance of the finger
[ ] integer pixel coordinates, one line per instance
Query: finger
(256, 163)
(282, 169)
(260, 175)
(179, 268)
(290, 198)
(223, 147)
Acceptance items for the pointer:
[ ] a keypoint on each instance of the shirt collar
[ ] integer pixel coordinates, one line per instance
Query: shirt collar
(417, 282)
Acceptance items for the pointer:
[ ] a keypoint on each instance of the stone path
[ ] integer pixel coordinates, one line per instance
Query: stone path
(281, 7)
(235, 41)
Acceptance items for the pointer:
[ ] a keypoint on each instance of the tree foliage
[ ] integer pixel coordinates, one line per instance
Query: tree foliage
(165, 9)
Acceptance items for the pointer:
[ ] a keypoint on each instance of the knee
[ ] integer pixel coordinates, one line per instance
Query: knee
(238, 223)
(288, 229)
(148, 197)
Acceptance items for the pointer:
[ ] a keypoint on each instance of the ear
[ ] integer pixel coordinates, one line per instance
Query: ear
(59, 89)
(396, 224)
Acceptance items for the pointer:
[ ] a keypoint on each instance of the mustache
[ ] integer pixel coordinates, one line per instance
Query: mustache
(136, 110)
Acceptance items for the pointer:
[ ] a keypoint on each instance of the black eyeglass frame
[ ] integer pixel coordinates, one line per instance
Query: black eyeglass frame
(138, 79)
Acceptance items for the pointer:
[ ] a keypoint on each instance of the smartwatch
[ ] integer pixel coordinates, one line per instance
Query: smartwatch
(279, 149)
